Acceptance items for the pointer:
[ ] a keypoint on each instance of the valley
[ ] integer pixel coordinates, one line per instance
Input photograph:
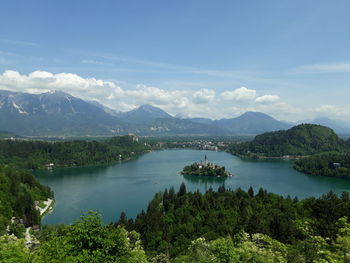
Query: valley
(174, 131)
(118, 176)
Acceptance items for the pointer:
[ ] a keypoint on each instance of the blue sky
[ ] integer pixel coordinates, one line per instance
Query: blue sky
(188, 57)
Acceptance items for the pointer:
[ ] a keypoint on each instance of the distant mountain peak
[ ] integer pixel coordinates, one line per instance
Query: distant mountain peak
(147, 106)
(143, 114)
(53, 112)
(57, 112)
(150, 108)
(338, 126)
(255, 114)
(322, 118)
(252, 123)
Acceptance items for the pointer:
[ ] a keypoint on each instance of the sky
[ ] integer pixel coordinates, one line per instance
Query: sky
(216, 59)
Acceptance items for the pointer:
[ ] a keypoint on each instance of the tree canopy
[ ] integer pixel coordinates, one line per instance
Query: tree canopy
(18, 191)
(301, 140)
(37, 154)
(173, 220)
(331, 164)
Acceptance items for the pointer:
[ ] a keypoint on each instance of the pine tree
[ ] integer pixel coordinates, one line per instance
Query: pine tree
(251, 192)
(182, 190)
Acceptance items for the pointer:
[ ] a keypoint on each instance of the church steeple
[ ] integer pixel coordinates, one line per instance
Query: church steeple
(205, 160)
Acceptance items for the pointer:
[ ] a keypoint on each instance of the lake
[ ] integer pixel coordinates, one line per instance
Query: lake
(129, 186)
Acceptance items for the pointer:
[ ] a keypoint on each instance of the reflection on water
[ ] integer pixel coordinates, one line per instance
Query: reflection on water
(205, 181)
(76, 172)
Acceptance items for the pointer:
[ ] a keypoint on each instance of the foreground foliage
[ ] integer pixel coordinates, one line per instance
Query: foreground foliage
(87, 240)
(173, 220)
(261, 248)
(322, 236)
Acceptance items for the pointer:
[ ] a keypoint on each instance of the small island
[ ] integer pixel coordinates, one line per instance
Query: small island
(205, 169)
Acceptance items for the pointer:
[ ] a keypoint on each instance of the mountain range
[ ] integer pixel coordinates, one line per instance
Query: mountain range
(53, 113)
(61, 114)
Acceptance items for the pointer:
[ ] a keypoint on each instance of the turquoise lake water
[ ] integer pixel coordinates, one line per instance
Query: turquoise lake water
(130, 185)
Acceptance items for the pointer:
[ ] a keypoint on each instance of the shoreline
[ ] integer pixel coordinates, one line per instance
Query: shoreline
(263, 157)
(90, 165)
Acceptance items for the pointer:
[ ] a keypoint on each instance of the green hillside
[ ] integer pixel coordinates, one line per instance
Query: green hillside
(18, 191)
(37, 154)
(325, 164)
(301, 140)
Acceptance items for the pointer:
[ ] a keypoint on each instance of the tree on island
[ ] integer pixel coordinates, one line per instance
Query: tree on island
(205, 169)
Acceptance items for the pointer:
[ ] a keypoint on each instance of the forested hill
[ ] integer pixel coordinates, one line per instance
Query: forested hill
(18, 191)
(37, 154)
(331, 164)
(301, 140)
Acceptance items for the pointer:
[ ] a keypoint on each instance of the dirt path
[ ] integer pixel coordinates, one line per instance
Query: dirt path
(28, 237)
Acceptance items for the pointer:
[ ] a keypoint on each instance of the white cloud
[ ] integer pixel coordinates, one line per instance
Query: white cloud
(193, 103)
(203, 96)
(267, 99)
(42, 81)
(153, 95)
(240, 94)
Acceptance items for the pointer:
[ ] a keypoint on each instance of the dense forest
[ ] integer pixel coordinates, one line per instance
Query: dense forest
(18, 191)
(220, 227)
(326, 164)
(174, 219)
(37, 154)
(301, 140)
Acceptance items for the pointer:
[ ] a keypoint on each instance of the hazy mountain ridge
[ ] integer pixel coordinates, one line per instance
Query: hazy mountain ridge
(53, 113)
(173, 126)
(59, 113)
(143, 114)
(338, 126)
(252, 123)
